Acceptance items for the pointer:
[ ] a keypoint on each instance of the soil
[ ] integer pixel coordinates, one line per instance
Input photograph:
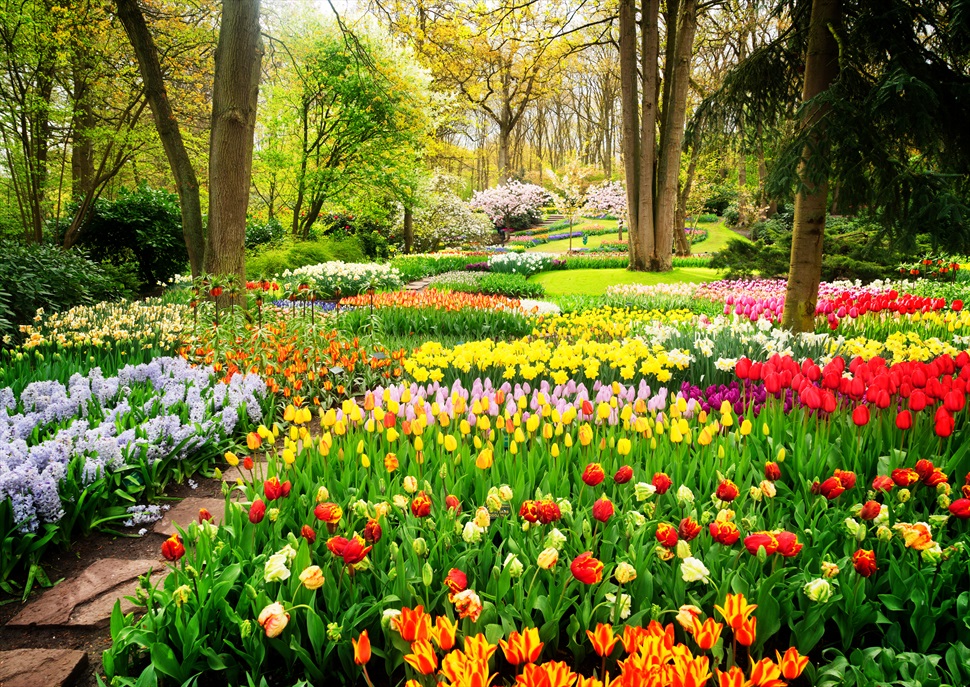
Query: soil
(65, 564)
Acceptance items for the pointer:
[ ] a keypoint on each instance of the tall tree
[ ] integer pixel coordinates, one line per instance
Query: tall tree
(808, 233)
(235, 95)
(166, 123)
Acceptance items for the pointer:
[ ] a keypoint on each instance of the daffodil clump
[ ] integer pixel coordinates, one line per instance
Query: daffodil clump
(143, 322)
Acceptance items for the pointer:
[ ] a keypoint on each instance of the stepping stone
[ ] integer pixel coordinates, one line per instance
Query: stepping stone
(87, 600)
(47, 667)
(187, 511)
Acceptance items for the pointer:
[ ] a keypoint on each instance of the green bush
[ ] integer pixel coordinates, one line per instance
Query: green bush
(855, 248)
(721, 196)
(44, 276)
(289, 256)
(707, 218)
(497, 284)
(142, 227)
(259, 233)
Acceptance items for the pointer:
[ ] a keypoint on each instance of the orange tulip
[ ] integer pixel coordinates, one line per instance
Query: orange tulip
(551, 674)
(361, 649)
(477, 648)
(691, 673)
(707, 633)
(732, 678)
(422, 657)
(764, 673)
(522, 648)
(745, 633)
(792, 663)
(414, 625)
(632, 638)
(589, 682)
(603, 639)
(444, 633)
(736, 610)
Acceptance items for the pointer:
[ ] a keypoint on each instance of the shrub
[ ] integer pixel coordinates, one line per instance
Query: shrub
(44, 276)
(444, 220)
(371, 233)
(721, 196)
(271, 262)
(259, 233)
(707, 218)
(854, 249)
(142, 227)
(732, 215)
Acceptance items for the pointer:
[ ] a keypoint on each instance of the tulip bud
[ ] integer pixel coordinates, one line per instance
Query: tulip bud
(625, 573)
(884, 534)
(903, 495)
(755, 494)
(932, 555)
(420, 546)
(829, 569)
(943, 501)
(514, 566)
(683, 549)
(427, 574)
(548, 558)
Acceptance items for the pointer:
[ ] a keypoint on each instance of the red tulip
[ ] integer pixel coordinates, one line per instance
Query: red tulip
(870, 509)
(421, 505)
(904, 419)
(860, 416)
(725, 532)
(452, 503)
(788, 545)
(667, 535)
(688, 529)
(864, 562)
(257, 511)
(593, 474)
(172, 548)
(307, 533)
(726, 490)
(772, 471)
(372, 531)
(548, 511)
(960, 509)
(662, 483)
(847, 477)
(603, 509)
(831, 488)
(529, 511)
(758, 540)
(623, 475)
(587, 569)
(456, 581)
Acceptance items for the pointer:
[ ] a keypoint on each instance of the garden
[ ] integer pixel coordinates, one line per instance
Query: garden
(658, 485)
(408, 344)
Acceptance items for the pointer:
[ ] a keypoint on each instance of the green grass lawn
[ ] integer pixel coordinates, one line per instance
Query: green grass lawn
(718, 236)
(594, 282)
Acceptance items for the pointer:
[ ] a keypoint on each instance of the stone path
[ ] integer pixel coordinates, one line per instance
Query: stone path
(41, 667)
(418, 285)
(56, 639)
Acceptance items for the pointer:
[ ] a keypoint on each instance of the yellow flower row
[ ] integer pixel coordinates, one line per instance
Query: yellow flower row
(605, 322)
(898, 347)
(558, 361)
(107, 322)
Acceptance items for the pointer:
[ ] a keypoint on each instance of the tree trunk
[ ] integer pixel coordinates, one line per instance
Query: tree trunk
(649, 56)
(186, 182)
(675, 113)
(504, 136)
(805, 272)
(235, 93)
(639, 240)
(82, 147)
(683, 196)
(408, 229)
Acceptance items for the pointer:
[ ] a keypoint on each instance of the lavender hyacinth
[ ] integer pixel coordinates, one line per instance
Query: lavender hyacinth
(179, 410)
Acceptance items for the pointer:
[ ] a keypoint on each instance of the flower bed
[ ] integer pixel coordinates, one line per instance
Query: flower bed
(66, 450)
(573, 507)
(335, 279)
